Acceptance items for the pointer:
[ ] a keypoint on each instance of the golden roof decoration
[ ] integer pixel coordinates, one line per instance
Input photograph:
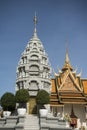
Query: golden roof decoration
(74, 80)
(67, 64)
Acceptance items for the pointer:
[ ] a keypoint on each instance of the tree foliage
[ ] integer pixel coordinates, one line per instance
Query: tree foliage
(42, 97)
(22, 96)
(8, 101)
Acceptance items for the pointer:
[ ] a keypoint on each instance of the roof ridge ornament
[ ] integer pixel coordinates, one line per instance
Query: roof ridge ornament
(79, 75)
(55, 74)
(59, 70)
(74, 72)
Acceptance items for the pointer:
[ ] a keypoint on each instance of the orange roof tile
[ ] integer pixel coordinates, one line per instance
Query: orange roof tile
(58, 80)
(85, 86)
(53, 90)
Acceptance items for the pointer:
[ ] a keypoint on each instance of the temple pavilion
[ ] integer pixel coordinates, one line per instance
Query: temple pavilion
(69, 92)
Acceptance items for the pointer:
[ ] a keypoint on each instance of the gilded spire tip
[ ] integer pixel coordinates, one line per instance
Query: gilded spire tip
(67, 56)
(67, 64)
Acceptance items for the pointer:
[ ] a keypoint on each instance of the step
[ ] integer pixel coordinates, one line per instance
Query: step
(31, 122)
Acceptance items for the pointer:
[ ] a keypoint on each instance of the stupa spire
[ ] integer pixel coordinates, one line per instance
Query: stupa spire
(35, 22)
(35, 36)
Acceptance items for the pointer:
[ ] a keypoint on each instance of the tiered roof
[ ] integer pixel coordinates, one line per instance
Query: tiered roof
(68, 87)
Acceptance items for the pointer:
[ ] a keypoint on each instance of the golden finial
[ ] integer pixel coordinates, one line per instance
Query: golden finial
(67, 57)
(67, 64)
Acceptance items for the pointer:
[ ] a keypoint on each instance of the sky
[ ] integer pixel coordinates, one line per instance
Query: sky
(61, 24)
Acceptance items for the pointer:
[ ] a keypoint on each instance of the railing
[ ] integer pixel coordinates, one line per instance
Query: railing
(12, 123)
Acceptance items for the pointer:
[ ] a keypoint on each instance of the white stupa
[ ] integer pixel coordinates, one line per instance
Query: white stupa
(34, 70)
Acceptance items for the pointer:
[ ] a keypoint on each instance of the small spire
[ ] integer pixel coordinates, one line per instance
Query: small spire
(67, 64)
(35, 36)
(35, 22)
(67, 57)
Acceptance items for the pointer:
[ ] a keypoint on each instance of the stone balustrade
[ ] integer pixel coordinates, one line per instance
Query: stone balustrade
(12, 123)
(53, 123)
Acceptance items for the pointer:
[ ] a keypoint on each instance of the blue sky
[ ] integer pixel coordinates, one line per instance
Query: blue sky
(58, 21)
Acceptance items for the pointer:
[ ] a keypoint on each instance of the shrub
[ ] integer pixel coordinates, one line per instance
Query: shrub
(8, 101)
(42, 97)
(22, 96)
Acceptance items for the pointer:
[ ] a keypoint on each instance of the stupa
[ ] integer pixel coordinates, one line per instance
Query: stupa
(34, 70)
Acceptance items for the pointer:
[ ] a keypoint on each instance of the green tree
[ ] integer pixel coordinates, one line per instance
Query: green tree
(42, 97)
(21, 97)
(8, 101)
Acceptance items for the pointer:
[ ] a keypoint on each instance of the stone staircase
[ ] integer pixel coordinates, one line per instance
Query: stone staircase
(31, 122)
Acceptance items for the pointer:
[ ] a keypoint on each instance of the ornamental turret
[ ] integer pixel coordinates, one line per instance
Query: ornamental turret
(34, 70)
